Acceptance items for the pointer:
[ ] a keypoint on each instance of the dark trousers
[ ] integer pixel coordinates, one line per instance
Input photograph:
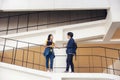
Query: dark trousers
(50, 57)
(69, 62)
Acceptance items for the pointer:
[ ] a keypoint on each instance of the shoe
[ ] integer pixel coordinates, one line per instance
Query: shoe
(72, 72)
(65, 71)
(51, 70)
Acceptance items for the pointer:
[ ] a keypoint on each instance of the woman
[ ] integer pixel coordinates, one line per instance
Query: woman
(49, 53)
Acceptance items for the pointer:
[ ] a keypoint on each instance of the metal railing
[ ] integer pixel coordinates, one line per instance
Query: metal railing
(37, 25)
(93, 59)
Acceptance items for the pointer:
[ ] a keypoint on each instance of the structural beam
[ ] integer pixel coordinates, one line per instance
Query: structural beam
(110, 32)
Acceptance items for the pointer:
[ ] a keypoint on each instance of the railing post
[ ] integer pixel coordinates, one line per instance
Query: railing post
(27, 55)
(92, 59)
(27, 21)
(15, 52)
(106, 60)
(37, 20)
(119, 54)
(17, 24)
(8, 25)
(3, 49)
(33, 60)
(12, 56)
(23, 58)
(89, 62)
(113, 67)
(78, 62)
(39, 57)
(101, 64)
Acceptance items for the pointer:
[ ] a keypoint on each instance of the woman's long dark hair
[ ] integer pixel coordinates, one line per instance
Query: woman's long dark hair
(49, 37)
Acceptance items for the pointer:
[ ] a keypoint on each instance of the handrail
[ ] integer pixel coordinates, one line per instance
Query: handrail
(19, 48)
(21, 41)
(60, 47)
(63, 47)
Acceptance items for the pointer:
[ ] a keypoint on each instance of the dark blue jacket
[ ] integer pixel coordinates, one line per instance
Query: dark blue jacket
(71, 49)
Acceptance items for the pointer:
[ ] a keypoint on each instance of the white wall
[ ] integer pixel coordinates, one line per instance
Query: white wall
(115, 10)
(12, 72)
(60, 60)
(0, 4)
(21, 5)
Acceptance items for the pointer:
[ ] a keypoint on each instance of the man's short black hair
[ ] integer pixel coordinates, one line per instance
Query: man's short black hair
(70, 34)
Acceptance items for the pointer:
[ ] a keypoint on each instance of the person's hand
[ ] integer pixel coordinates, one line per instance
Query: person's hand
(57, 47)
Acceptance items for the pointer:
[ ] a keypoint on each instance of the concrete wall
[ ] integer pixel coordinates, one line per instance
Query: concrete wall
(16, 72)
(115, 10)
(28, 5)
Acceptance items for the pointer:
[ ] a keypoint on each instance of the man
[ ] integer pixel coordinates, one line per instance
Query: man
(71, 51)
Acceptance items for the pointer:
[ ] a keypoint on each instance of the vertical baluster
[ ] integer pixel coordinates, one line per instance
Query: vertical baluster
(17, 24)
(106, 59)
(3, 49)
(28, 21)
(15, 52)
(39, 57)
(8, 24)
(37, 20)
(23, 57)
(101, 64)
(27, 55)
(89, 62)
(119, 54)
(33, 59)
(12, 56)
(92, 59)
(113, 67)
(78, 59)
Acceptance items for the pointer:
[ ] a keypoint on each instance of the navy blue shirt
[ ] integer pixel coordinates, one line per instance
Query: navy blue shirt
(71, 49)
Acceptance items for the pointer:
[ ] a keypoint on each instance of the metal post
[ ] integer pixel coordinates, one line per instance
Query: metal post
(101, 64)
(8, 24)
(12, 56)
(39, 57)
(28, 21)
(23, 58)
(3, 50)
(27, 55)
(113, 67)
(37, 20)
(17, 24)
(33, 59)
(15, 52)
(119, 54)
(106, 60)
(78, 60)
(92, 59)
(89, 62)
